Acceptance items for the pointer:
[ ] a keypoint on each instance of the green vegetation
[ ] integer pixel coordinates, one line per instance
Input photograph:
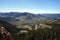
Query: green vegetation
(40, 34)
(0, 36)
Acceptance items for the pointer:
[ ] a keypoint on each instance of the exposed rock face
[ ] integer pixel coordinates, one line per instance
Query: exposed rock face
(52, 21)
(55, 23)
(35, 26)
(5, 34)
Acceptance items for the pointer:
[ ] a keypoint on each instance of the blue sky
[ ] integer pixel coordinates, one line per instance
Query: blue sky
(34, 6)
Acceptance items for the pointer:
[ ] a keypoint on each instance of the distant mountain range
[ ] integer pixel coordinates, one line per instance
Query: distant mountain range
(18, 14)
(17, 18)
(20, 18)
(57, 15)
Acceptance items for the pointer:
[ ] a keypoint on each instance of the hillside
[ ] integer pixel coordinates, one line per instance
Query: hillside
(17, 18)
(28, 26)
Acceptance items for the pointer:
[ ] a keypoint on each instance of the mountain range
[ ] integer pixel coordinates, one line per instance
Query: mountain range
(18, 14)
(20, 18)
(56, 15)
(17, 18)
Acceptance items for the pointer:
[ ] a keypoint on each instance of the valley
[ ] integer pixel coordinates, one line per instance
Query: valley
(29, 26)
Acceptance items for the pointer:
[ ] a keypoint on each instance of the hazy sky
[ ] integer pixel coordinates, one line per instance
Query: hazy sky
(34, 6)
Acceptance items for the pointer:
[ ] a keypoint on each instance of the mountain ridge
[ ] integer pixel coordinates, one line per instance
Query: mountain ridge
(25, 17)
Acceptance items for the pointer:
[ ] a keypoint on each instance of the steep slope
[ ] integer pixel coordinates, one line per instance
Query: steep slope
(8, 26)
(4, 34)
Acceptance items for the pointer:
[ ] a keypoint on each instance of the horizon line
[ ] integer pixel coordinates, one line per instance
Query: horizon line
(30, 11)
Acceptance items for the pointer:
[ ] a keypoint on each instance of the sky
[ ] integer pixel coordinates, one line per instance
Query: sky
(33, 6)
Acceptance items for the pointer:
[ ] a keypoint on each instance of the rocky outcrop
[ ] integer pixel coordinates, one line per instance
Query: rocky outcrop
(5, 34)
(55, 23)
